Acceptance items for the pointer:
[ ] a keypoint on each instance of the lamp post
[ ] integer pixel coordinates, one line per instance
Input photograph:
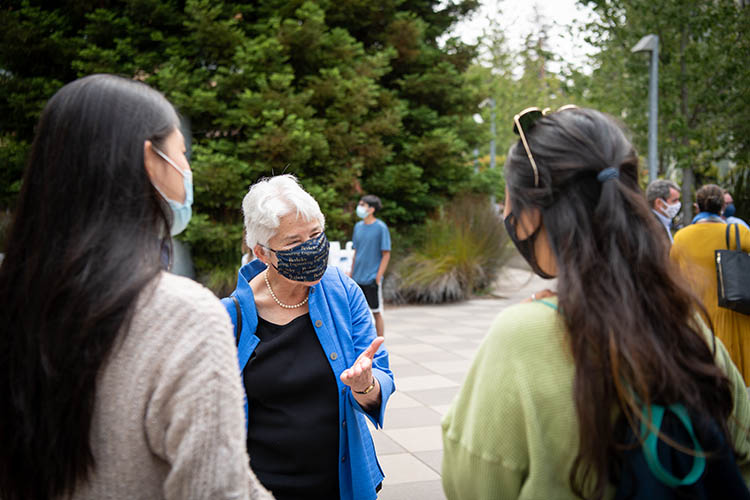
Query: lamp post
(478, 118)
(650, 43)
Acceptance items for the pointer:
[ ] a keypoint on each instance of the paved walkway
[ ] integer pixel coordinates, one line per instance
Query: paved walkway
(431, 349)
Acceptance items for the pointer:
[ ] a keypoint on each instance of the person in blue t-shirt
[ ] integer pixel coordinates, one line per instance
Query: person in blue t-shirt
(372, 251)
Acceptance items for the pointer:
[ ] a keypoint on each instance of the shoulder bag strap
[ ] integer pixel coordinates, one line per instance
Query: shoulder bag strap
(650, 444)
(729, 226)
(238, 326)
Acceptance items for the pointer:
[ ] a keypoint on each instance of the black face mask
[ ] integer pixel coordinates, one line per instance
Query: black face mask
(525, 247)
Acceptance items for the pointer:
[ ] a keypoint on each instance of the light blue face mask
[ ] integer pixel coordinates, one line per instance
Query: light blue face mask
(362, 211)
(181, 212)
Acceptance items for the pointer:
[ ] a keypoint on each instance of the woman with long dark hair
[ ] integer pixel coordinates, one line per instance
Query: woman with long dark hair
(117, 379)
(547, 405)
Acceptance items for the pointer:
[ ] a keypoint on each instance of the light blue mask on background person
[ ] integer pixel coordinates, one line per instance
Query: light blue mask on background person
(729, 210)
(361, 211)
(181, 212)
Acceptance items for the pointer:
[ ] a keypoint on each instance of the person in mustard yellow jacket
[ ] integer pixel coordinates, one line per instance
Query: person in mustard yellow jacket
(693, 250)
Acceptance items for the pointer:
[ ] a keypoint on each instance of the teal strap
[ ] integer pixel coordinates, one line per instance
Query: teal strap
(651, 454)
(548, 304)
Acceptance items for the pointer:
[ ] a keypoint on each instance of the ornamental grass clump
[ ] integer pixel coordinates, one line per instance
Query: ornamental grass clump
(463, 250)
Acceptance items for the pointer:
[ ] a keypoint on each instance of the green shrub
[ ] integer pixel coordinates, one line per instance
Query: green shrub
(462, 250)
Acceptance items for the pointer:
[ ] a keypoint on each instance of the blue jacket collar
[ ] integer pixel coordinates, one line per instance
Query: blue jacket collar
(249, 271)
(707, 215)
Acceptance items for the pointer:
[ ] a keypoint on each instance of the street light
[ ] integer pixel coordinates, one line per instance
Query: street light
(478, 118)
(650, 43)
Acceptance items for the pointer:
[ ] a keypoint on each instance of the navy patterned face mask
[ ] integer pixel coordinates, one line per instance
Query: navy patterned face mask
(305, 262)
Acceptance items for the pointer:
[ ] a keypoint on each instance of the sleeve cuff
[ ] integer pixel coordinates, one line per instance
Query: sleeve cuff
(386, 389)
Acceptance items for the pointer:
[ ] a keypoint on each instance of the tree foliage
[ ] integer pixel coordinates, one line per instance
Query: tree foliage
(704, 90)
(515, 78)
(350, 96)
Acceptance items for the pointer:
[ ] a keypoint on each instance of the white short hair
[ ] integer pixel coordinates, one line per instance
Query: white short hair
(270, 199)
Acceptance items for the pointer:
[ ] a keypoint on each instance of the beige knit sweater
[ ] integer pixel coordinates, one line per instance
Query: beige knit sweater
(169, 420)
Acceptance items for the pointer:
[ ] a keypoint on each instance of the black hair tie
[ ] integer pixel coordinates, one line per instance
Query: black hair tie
(607, 174)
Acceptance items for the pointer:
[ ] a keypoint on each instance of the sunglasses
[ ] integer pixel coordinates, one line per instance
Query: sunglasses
(524, 121)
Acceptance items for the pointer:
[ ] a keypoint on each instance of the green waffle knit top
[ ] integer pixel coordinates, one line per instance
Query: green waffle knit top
(511, 432)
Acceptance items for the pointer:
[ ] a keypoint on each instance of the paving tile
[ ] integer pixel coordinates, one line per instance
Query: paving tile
(413, 348)
(418, 438)
(435, 396)
(432, 458)
(412, 316)
(396, 360)
(441, 313)
(399, 418)
(456, 377)
(385, 445)
(415, 334)
(410, 370)
(443, 367)
(472, 342)
(478, 323)
(394, 339)
(439, 355)
(439, 339)
(404, 468)
(425, 490)
(467, 353)
(424, 382)
(412, 320)
(400, 400)
(441, 409)
(463, 330)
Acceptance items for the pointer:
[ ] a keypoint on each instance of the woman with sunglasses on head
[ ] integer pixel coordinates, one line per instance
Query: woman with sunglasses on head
(118, 380)
(562, 381)
(312, 364)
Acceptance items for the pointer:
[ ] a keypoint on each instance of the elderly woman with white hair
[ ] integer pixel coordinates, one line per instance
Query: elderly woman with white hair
(312, 365)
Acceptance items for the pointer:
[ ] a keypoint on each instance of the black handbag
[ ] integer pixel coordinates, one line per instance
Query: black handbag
(733, 275)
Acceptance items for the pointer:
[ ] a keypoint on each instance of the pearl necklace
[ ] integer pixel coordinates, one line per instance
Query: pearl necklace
(285, 306)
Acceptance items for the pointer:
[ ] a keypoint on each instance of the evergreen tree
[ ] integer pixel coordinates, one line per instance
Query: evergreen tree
(350, 96)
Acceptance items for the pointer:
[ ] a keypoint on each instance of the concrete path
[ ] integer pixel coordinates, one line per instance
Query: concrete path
(431, 349)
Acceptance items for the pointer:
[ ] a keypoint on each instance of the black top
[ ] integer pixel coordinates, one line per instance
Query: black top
(293, 432)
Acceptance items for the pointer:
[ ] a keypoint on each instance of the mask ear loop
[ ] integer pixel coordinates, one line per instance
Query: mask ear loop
(183, 173)
(268, 249)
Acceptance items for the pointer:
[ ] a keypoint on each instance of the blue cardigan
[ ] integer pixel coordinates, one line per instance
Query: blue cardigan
(344, 327)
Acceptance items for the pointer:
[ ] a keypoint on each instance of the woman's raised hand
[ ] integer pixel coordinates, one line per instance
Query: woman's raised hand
(359, 376)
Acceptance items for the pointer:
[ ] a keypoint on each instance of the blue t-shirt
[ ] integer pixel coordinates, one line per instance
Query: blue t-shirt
(370, 241)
